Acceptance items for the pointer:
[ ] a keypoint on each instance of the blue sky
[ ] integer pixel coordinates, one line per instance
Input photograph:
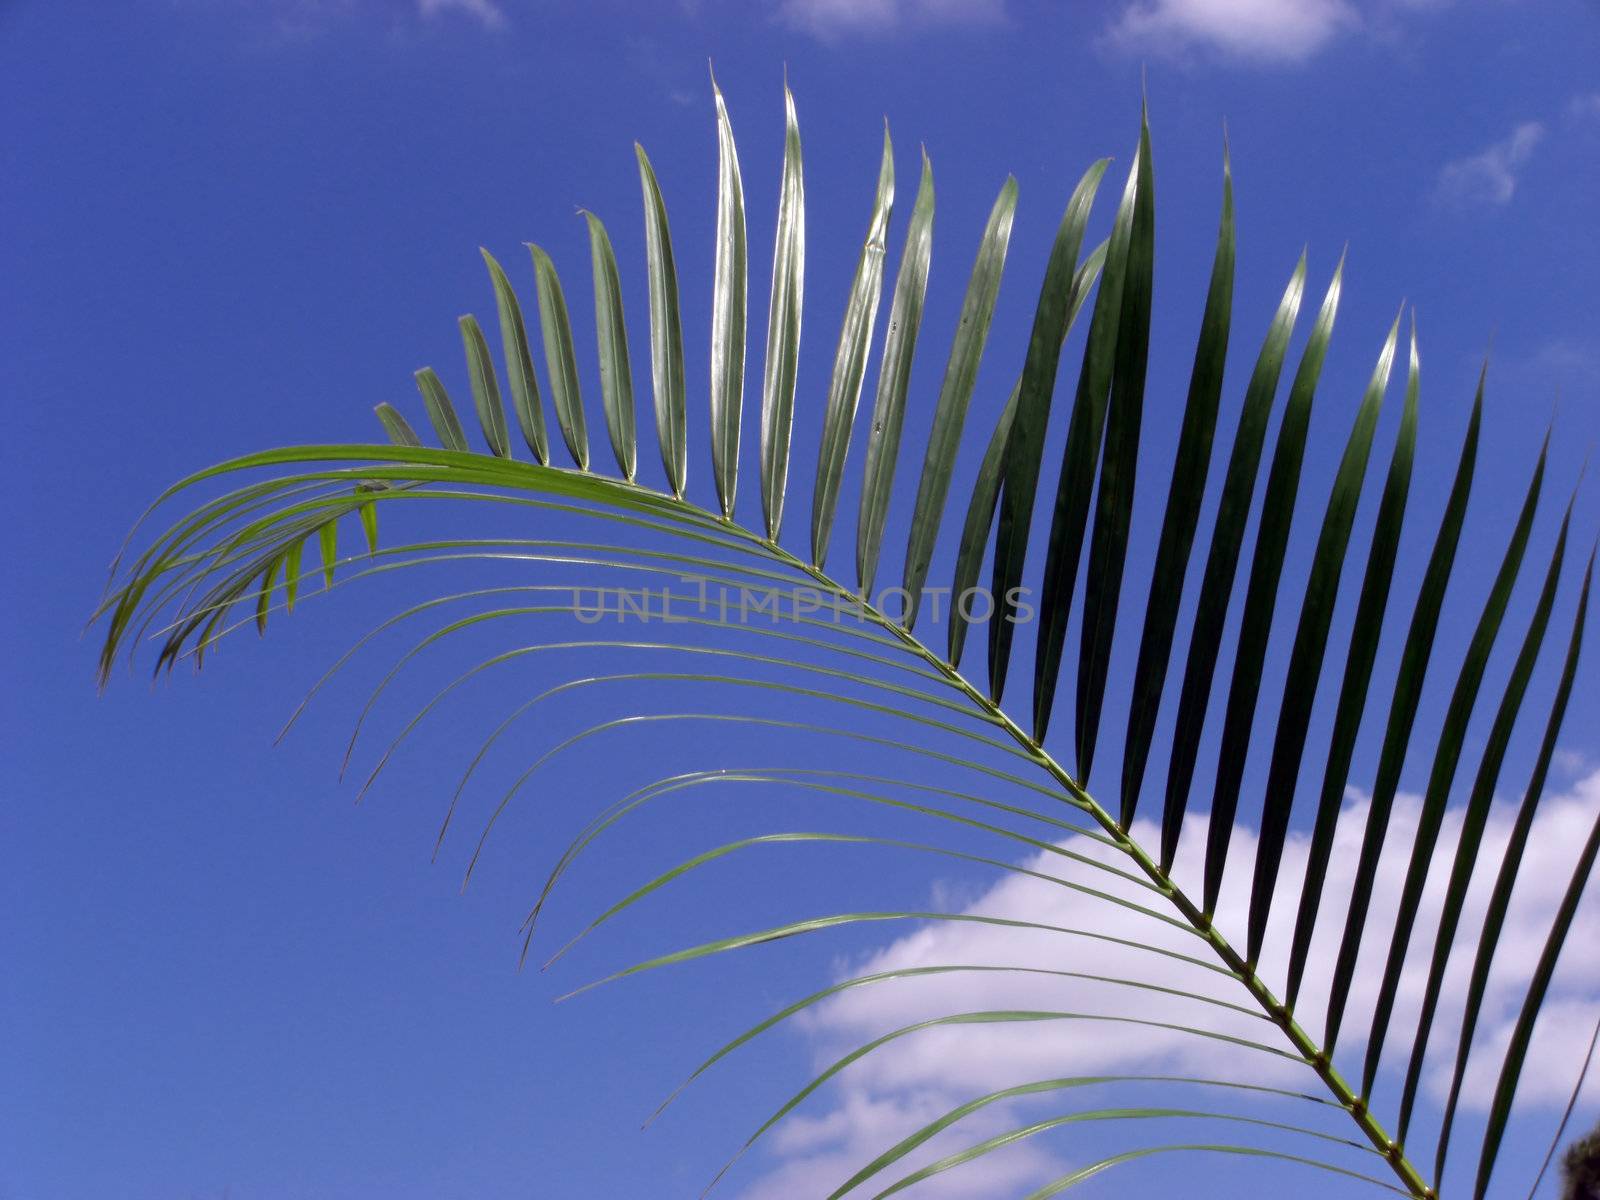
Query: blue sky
(240, 223)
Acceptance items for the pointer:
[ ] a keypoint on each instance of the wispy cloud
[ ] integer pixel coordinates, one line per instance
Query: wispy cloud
(835, 18)
(1585, 107)
(1286, 31)
(912, 1080)
(1490, 176)
(295, 19)
(488, 12)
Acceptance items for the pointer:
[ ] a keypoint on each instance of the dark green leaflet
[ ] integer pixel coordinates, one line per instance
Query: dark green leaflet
(894, 380)
(442, 413)
(485, 390)
(396, 426)
(850, 360)
(1025, 452)
(975, 529)
(560, 360)
(1310, 646)
(1445, 760)
(728, 299)
(1500, 899)
(955, 393)
(1506, 1089)
(1474, 820)
(1108, 546)
(616, 374)
(986, 489)
(666, 329)
(1222, 561)
(1359, 660)
(519, 362)
(1266, 568)
(1402, 714)
(1184, 496)
(783, 325)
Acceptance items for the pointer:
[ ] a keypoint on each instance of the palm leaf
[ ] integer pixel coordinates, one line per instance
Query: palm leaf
(236, 557)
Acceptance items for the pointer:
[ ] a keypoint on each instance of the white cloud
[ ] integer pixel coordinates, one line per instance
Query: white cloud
(1257, 30)
(909, 1081)
(301, 19)
(488, 12)
(832, 18)
(1490, 176)
(1585, 107)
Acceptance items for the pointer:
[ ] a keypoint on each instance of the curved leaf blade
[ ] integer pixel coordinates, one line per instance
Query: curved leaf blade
(1516, 844)
(894, 381)
(1222, 562)
(1474, 820)
(1445, 760)
(850, 360)
(396, 426)
(441, 413)
(1184, 495)
(666, 330)
(1108, 547)
(485, 390)
(1311, 644)
(616, 373)
(1261, 592)
(1359, 660)
(520, 378)
(783, 325)
(560, 359)
(955, 394)
(728, 302)
(1402, 715)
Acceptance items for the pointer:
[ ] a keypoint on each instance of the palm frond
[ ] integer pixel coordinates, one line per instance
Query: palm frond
(1001, 788)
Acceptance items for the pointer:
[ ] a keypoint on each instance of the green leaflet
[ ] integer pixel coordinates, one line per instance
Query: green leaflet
(1023, 458)
(1012, 1136)
(291, 574)
(1184, 495)
(850, 360)
(442, 413)
(1505, 879)
(328, 544)
(1474, 820)
(955, 393)
(922, 1135)
(728, 293)
(519, 362)
(1522, 1033)
(790, 838)
(616, 375)
(396, 426)
(1108, 547)
(975, 531)
(1311, 643)
(1078, 1176)
(1266, 567)
(1359, 660)
(560, 359)
(485, 391)
(783, 325)
(986, 489)
(1445, 760)
(1222, 561)
(666, 329)
(894, 381)
(1402, 714)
